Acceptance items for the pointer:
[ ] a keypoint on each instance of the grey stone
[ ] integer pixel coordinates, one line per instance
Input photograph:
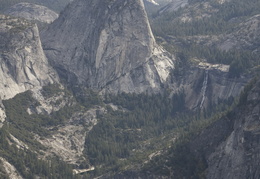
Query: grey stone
(230, 145)
(23, 63)
(108, 46)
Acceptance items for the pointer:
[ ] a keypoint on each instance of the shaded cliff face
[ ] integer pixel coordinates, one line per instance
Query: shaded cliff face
(207, 85)
(230, 145)
(107, 45)
(23, 63)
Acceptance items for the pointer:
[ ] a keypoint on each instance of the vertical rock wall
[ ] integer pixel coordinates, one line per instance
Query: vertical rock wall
(107, 45)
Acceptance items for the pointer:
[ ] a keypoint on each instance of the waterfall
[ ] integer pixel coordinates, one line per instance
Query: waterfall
(204, 88)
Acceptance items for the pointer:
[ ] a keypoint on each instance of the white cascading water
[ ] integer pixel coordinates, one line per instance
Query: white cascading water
(204, 88)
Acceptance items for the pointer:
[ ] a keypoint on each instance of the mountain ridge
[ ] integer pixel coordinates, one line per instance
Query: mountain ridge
(123, 106)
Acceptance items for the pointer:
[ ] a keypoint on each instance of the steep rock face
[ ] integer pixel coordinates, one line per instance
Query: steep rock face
(23, 63)
(231, 145)
(107, 45)
(31, 11)
(207, 84)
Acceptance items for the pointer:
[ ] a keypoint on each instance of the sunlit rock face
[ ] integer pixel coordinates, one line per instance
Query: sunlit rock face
(108, 46)
(22, 60)
(23, 63)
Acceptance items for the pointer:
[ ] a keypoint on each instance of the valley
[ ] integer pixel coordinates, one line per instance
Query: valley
(129, 89)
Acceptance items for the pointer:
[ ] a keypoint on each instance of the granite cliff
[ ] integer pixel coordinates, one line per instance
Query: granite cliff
(23, 62)
(230, 145)
(207, 85)
(108, 46)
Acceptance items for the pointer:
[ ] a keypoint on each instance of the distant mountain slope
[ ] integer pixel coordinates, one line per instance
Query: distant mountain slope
(244, 36)
(56, 5)
(214, 31)
(173, 5)
(31, 11)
